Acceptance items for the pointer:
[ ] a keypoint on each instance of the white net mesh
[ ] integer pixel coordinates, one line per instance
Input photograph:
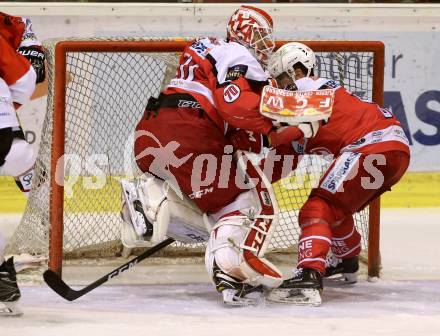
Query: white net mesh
(106, 93)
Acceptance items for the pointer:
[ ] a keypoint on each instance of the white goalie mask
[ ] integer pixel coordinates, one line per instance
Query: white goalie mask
(253, 28)
(287, 56)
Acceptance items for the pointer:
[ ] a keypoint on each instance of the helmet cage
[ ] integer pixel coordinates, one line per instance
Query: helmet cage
(262, 43)
(252, 28)
(285, 59)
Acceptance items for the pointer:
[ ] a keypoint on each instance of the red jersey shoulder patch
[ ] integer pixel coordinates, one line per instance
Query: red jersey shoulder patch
(231, 93)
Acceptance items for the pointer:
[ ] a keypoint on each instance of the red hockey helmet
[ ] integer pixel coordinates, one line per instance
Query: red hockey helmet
(253, 28)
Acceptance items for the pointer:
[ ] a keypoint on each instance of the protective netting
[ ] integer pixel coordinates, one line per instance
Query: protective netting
(106, 93)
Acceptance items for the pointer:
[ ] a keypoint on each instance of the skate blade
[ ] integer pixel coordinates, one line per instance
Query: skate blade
(341, 279)
(231, 300)
(298, 297)
(10, 309)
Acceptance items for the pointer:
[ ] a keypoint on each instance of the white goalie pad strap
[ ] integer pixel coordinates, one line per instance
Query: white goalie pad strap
(169, 214)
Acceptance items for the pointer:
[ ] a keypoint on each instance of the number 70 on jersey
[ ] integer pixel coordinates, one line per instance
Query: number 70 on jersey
(294, 107)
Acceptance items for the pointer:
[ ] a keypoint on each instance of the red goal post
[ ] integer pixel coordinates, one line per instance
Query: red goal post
(374, 64)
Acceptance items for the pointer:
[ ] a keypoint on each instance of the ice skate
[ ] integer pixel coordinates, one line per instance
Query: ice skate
(236, 293)
(9, 292)
(341, 271)
(304, 289)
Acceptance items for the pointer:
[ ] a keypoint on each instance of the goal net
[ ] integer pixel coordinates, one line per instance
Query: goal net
(98, 90)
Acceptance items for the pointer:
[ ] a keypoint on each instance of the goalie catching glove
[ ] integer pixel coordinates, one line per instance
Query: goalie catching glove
(35, 55)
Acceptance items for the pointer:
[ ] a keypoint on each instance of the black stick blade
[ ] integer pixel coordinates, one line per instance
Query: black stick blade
(54, 281)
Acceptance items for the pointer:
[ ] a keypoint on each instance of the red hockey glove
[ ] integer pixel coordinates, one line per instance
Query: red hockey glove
(284, 135)
(245, 140)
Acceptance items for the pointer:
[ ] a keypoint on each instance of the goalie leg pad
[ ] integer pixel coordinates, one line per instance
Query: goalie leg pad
(240, 238)
(226, 249)
(166, 212)
(236, 246)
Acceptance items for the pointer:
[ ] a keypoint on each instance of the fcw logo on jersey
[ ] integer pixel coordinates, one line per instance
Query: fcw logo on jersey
(276, 102)
(231, 93)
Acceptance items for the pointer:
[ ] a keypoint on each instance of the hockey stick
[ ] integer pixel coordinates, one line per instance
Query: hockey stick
(55, 282)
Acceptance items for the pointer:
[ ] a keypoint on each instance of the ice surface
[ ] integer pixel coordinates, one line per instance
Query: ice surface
(405, 301)
(383, 308)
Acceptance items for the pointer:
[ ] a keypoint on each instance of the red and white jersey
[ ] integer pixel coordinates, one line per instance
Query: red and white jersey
(17, 31)
(15, 70)
(17, 76)
(226, 80)
(355, 125)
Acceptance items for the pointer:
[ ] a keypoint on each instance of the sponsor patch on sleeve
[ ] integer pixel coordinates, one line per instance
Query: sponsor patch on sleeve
(340, 172)
(331, 84)
(231, 93)
(236, 72)
(200, 48)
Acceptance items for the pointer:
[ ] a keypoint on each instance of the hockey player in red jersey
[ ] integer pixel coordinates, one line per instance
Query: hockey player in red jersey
(183, 138)
(18, 33)
(21, 67)
(370, 153)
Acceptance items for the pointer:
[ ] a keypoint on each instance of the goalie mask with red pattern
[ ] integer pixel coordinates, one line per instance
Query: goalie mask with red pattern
(253, 28)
